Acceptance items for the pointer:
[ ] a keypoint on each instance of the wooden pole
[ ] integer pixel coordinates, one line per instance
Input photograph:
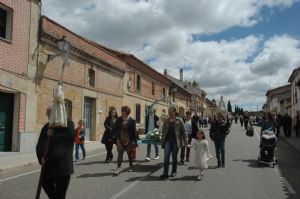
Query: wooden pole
(38, 192)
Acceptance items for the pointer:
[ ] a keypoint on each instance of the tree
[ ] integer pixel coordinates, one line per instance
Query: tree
(229, 108)
(195, 84)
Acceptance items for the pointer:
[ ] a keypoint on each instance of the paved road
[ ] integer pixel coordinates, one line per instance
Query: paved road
(241, 178)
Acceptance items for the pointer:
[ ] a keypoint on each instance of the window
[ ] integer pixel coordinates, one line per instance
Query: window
(138, 83)
(138, 113)
(164, 93)
(68, 105)
(5, 22)
(91, 78)
(153, 88)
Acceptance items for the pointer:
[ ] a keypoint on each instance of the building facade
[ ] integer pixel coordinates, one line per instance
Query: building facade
(92, 83)
(294, 80)
(19, 22)
(279, 100)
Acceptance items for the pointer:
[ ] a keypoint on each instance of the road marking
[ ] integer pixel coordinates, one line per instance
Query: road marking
(125, 190)
(20, 175)
(27, 173)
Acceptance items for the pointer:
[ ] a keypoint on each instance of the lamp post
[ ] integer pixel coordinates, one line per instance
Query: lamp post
(63, 46)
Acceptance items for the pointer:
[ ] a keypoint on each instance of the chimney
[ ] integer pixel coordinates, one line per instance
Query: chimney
(181, 74)
(165, 72)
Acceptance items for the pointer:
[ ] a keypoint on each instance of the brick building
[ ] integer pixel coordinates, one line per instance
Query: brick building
(143, 85)
(92, 82)
(18, 56)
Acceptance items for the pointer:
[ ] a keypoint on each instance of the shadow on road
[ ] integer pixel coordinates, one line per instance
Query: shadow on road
(185, 178)
(95, 175)
(251, 163)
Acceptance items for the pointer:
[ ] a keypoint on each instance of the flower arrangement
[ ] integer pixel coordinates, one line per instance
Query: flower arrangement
(153, 136)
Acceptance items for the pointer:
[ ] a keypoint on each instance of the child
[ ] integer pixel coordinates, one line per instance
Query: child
(202, 153)
(79, 140)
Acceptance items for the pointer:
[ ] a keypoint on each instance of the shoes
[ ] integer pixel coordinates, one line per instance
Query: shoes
(156, 158)
(164, 177)
(130, 169)
(147, 159)
(219, 164)
(202, 174)
(199, 177)
(83, 158)
(76, 160)
(181, 162)
(173, 174)
(117, 172)
(107, 161)
(223, 165)
(187, 160)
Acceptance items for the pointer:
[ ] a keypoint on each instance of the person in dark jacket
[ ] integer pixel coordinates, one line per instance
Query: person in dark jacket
(107, 135)
(218, 132)
(124, 132)
(246, 120)
(287, 125)
(59, 162)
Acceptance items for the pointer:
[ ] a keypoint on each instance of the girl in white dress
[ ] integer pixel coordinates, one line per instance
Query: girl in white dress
(202, 153)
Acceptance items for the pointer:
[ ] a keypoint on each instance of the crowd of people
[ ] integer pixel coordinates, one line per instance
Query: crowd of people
(178, 134)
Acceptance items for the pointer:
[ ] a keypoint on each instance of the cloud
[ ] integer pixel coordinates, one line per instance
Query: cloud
(160, 32)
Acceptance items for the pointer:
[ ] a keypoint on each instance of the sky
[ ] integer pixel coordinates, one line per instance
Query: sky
(238, 49)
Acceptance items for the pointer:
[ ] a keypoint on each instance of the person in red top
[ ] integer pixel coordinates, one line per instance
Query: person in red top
(79, 140)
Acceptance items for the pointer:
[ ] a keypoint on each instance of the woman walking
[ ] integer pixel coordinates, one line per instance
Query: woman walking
(202, 153)
(107, 136)
(124, 132)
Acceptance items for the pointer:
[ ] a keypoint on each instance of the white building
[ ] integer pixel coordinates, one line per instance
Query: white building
(295, 90)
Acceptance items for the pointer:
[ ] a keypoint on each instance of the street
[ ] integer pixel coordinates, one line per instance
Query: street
(241, 178)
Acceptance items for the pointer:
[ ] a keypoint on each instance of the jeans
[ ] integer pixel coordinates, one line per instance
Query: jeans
(220, 150)
(77, 151)
(149, 150)
(109, 154)
(170, 147)
(56, 188)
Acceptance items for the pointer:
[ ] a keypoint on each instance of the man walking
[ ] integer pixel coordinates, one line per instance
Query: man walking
(59, 161)
(218, 132)
(156, 121)
(173, 137)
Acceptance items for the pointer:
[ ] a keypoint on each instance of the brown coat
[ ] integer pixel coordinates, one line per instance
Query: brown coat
(180, 134)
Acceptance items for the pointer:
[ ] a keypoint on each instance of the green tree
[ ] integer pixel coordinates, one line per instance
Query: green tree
(229, 108)
(195, 84)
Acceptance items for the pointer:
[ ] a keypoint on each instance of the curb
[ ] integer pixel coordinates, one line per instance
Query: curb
(89, 147)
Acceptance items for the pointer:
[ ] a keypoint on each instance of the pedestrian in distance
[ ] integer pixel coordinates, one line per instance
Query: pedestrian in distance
(156, 125)
(218, 132)
(79, 140)
(59, 161)
(278, 124)
(297, 123)
(246, 120)
(173, 137)
(241, 120)
(124, 132)
(107, 135)
(287, 125)
(202, 153)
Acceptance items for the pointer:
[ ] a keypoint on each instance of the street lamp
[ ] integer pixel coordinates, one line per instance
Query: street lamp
(63, 46)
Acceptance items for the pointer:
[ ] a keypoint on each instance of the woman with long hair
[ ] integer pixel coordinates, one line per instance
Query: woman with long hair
(107, 136)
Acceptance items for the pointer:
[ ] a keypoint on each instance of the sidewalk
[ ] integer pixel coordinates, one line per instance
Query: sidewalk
(293, 141)
(10, 160)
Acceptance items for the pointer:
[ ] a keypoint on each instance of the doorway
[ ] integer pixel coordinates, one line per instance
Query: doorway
(89, 117)
(6, 120)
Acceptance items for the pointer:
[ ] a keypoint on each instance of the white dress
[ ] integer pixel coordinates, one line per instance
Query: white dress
(202, 153)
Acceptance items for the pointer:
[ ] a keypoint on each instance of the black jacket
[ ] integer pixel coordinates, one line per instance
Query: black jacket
(131, 129)
(60, 152)
(108, 131)
(218, 130)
